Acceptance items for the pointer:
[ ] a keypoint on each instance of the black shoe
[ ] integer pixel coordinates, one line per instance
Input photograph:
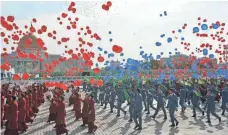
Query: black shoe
(95, 129)
(165, 118)
(203, 113)
(173, 125)
(67, 132)
(177, 123)
(145, 109)
(223, 114)
(220, 120)
(111, 112)
(194, 116)
(130, 120)
(83, 125)
(153, 117)
(118, 115)
(148, 113)
(104, 108)
(136, 127)
(208, 121)
(125, 112)
(140, 128)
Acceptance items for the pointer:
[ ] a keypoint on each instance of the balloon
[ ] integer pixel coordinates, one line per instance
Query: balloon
(205, 52)
(141, 52)
(100, 49)
(170, 52)
(175, 49)
(28, 41)
(158, 56)
(215, 26)
(165, 13)
(179, 30)
(110, 39)
(99, 83)
(195, 30)
(16, 77)
(105, 52)
(169, 40)
(204, 27)
(100, 59)
(158, 44)
(211, 56)
(160, 15)
(25, 76)
(122, 54)
(109, 3)
(96, 70)
(182, 38)
(109, 32)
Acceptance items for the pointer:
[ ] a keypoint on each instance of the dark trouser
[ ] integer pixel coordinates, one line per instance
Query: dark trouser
(112, 105)
(91, 127)
(213, 113)
(145, 103)
(131, 111)
(52, 117)
(172, 117)
(224, 108)
(196, 107)
(158, 108)
(78, 114)
(11, 132)
(183, 106)
(61, 129)
(119, 108)
(150, 104)
(138, 115)
(101, 99)
(85, 120)
(22, 126)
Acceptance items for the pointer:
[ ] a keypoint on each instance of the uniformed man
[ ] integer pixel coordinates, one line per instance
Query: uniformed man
(195, 101)
(131, 106)
(182, 98)
(150, 99)
(107, 92)
(143, 93)
(138, 110)
(172, 106)
(160, 103)
(210, 105)
(120, 101)
(101, 95)
(224, 100)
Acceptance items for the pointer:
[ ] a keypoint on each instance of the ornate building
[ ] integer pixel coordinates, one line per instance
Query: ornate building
(21, 65)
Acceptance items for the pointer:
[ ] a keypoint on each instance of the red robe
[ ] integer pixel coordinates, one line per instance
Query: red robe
(85, 110)
(22, 110)
(28, 109)
(34, 102)
(13, 116)
(52, 111)
(91, 114)
(77, 104)
(61, 113)
(2, 106)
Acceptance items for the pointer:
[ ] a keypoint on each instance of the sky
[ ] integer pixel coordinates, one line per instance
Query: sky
(133, 23)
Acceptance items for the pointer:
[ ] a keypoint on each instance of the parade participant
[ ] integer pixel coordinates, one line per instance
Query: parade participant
(91, 115)
(2, 108)
(150, 99)
(28, 108)
(195, 101)
(52, 110)
(107, 92)
(224, 94)
(189, 94)
(160, 103)
(12, 123)
(9, 97)
(61, 117)
(101, 95)
(210, 105)
(85, 110)
(71, 99)
(143, 93)
(131, 106)
(172, 106)
(77, 104)
(22, 114)
(84, 86)
(183, 93)
(34, 101)
(120, 101)
(112, 100)
(137, 111)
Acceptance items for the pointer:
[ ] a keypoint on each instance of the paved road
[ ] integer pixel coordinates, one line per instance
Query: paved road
(108, 124)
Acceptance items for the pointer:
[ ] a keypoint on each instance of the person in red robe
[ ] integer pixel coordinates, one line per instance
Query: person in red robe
(85, 110)
(52, 111)
(28, 109)
(61, 117)
(9, 97)
(77, 104)
(22, 114)
(91, 115)
(31, 113)
(34, 101)
(2, 108)
(12, 124)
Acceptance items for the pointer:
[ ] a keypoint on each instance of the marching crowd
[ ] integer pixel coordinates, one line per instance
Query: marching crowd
(19, 104)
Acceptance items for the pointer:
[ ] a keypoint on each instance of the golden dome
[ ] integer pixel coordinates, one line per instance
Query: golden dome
(22, 43)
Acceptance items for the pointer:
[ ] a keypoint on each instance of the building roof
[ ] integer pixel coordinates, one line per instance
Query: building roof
(22, 43)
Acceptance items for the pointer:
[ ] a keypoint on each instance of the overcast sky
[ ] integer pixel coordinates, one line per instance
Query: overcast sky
(133, 23)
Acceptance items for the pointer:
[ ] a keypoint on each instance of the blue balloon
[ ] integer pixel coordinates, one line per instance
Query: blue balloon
(195, 30)
(122, 54)
(109, 32)
(161, 36)
(182, 38)
(105, 52)
(169, 40)
(141, 52)
(160, 15)
(100, 49)
(170, 52)
(158, 43)
(179, 30)
(110, 39)
(161, 53)
(205, 52)
(165, 13)
(204, 27)
(175, 49)
(96, 64)
(140, 47)
(215, 26)
(211, 56)
(158, 57)
(123, 59)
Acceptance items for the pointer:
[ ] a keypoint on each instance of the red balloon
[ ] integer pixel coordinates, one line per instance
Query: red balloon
(16, 77)
(28, 41)
(100, 83)
(96, 70)
(34, 20)
(25, 76)
(64, 15)
(10, 18)
(44, 28)
(32, 29)
(86, 57)
(92, 81)
(109, 3)
(100, 59)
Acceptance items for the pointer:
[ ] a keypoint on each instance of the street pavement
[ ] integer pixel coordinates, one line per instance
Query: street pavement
(108, 124)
